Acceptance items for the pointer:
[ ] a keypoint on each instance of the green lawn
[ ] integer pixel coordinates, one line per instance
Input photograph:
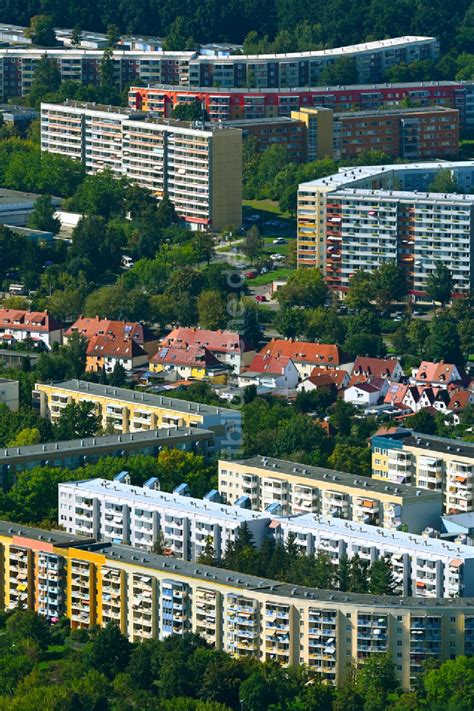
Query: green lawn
(269, 210)
(263, 279)
(264, 206)
(275, 248)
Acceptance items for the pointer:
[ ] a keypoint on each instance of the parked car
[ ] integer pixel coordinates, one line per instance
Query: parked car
(251, 274)
(279, 240)
(127, 262)
(261, 298)
(277, 257)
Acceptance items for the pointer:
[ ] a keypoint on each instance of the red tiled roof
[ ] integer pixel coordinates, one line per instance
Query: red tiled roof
(194, 356)
(111, 347)
(305, 352)
(459, 400)
(396, 393)
(274, 365)
(96, 326)
(323, 376)
(377, 367)
(368, 387)
(435, 372)
(34, 321)
(218, 341)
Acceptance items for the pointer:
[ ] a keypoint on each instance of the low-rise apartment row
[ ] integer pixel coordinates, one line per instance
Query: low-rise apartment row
(198, 166)
(360, 218)
(254, 103)
(438, 464)
(128, 411)
(300, 488)
(76, 453)
(371, 59)
(152, 596)
(185, 528)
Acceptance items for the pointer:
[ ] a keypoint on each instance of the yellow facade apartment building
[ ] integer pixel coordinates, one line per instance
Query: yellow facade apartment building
(130, 411)
(151, 596)
(300, 488)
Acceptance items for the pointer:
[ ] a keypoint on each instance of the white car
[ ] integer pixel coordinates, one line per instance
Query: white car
(277, 257)
(127, 262)
(279, 240)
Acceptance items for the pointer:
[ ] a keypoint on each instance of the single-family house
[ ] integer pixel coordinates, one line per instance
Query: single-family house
(229, 347)
(37, 327)
(96, 326)
(435, 374)
(305, 355)
(191, 362)
(386, 368)
(106, 351)
(324, 378)
(272, 372)
(366, 393)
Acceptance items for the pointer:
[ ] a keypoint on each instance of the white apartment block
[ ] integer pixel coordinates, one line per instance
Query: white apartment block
(115, 512)
(360, 218)
(421, 566)
(198, 166)
(299, 488)
(435, 463)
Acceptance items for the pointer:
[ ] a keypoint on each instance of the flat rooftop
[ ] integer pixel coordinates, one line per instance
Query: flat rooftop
(376, 46)
(83, 387)
(55, 537)
(461, 519)
(440, 444)
(345, 177)
(238, 123)
(363, 534)
(93, 106)
(270, 466)
(412, 195)
(8, 197)
(167, 435)
(373, 89)
(251, 583)
(397, 111)
(176, 503)
(246, 583)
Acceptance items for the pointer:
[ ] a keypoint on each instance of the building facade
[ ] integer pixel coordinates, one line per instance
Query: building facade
(142, 516)
(152, 596)
(76, 453)
(37, 327)
(255, 103)
(371, 59)
(129, 411)
(421, 566)
(198, 166)
(360, 218)
(304, 489)
(115, 512)
(435, 463)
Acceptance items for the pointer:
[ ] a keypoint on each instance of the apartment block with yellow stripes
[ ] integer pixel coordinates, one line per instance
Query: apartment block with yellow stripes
(129, 411)
(298, 488)
(151, 596)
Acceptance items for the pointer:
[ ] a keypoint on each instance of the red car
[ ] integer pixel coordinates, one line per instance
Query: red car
(261, 298)
(251, 275)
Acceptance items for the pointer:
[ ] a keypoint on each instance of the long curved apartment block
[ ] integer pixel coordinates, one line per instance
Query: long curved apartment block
(152, 596)
(371, 59)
